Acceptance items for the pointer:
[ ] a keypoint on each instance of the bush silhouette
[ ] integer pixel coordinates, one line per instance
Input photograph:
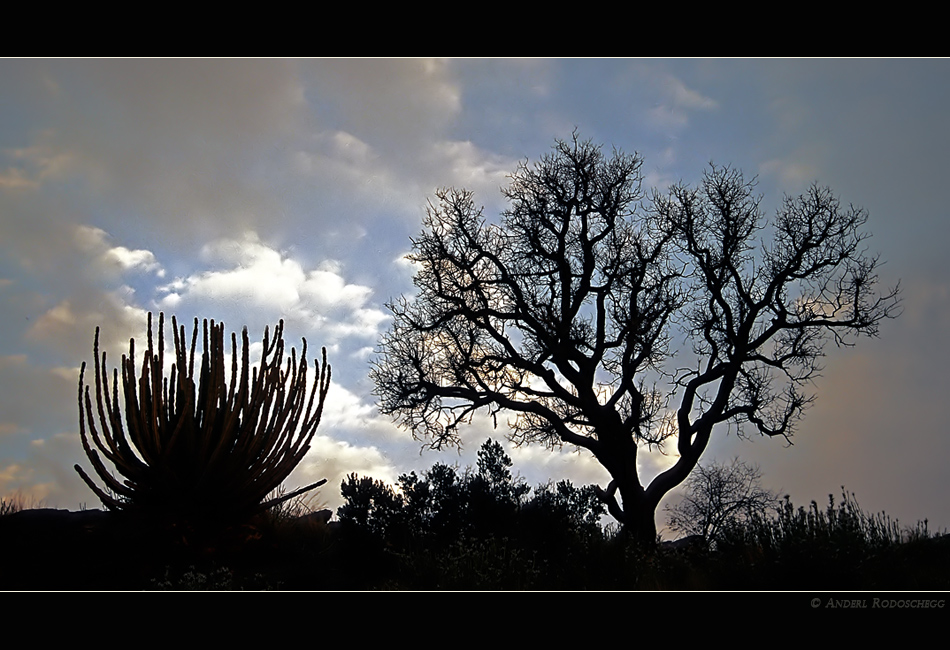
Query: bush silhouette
(476, 528)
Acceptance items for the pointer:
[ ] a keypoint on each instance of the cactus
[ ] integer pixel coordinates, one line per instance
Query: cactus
(200, 448)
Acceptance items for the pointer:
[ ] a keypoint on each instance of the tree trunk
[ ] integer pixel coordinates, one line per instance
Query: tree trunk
(639, 516)
(636, 511)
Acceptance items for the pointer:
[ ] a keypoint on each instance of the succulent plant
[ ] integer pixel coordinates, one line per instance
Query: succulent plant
(200, 447)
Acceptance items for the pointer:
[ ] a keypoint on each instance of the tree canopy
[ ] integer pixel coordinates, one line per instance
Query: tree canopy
(566, 315)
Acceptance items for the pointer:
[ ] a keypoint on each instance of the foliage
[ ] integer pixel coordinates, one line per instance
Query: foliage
(480, 528)
(371, 505)
(197, 447)
(443, 506)
(578, 508)
(563, 315)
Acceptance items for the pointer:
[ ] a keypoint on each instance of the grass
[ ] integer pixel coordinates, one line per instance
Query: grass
(837, 531)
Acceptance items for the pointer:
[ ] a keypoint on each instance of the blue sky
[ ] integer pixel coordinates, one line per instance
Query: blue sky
(252, 190)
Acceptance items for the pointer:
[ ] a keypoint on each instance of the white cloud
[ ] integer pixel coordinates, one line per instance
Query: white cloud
(325, 288)
(254, 275)
(334, 460)
(257, 273)
(96, 241)
(462, 164)
(346, 411)
(356, 177)
(135, 259)
(363, 353)
(579, 466)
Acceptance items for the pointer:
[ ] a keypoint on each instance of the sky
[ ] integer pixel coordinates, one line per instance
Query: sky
(253, 190)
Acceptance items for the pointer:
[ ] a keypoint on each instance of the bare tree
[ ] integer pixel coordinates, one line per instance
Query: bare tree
(718, 496)
(564, 315)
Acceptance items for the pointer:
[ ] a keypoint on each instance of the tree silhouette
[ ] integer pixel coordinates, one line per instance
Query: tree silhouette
(720, 496)
(443, 505)
(565, 314)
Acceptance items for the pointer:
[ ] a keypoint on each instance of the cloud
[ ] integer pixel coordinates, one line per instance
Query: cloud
(15, 479)
(31, 395)
(257, 276)
(391, 103)
(69, 326)
(178, 145)
(376, 124)
(687, 98)
(38, 163)
(255, 272)
(676, 102)
(365, 180)
(536, 463)
(16, 179)
(462, 164)
(95, 242)
(138, 259)
(334, 460)
(381, 143)
(348, 415)
(45, 476)
(791, 175)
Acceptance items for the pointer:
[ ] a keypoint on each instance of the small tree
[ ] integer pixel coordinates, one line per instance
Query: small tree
(493, 464)
(370, 505)
(719, 496)
(564, 314)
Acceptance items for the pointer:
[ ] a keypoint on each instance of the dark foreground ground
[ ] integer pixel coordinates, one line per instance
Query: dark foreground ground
(62, 551)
